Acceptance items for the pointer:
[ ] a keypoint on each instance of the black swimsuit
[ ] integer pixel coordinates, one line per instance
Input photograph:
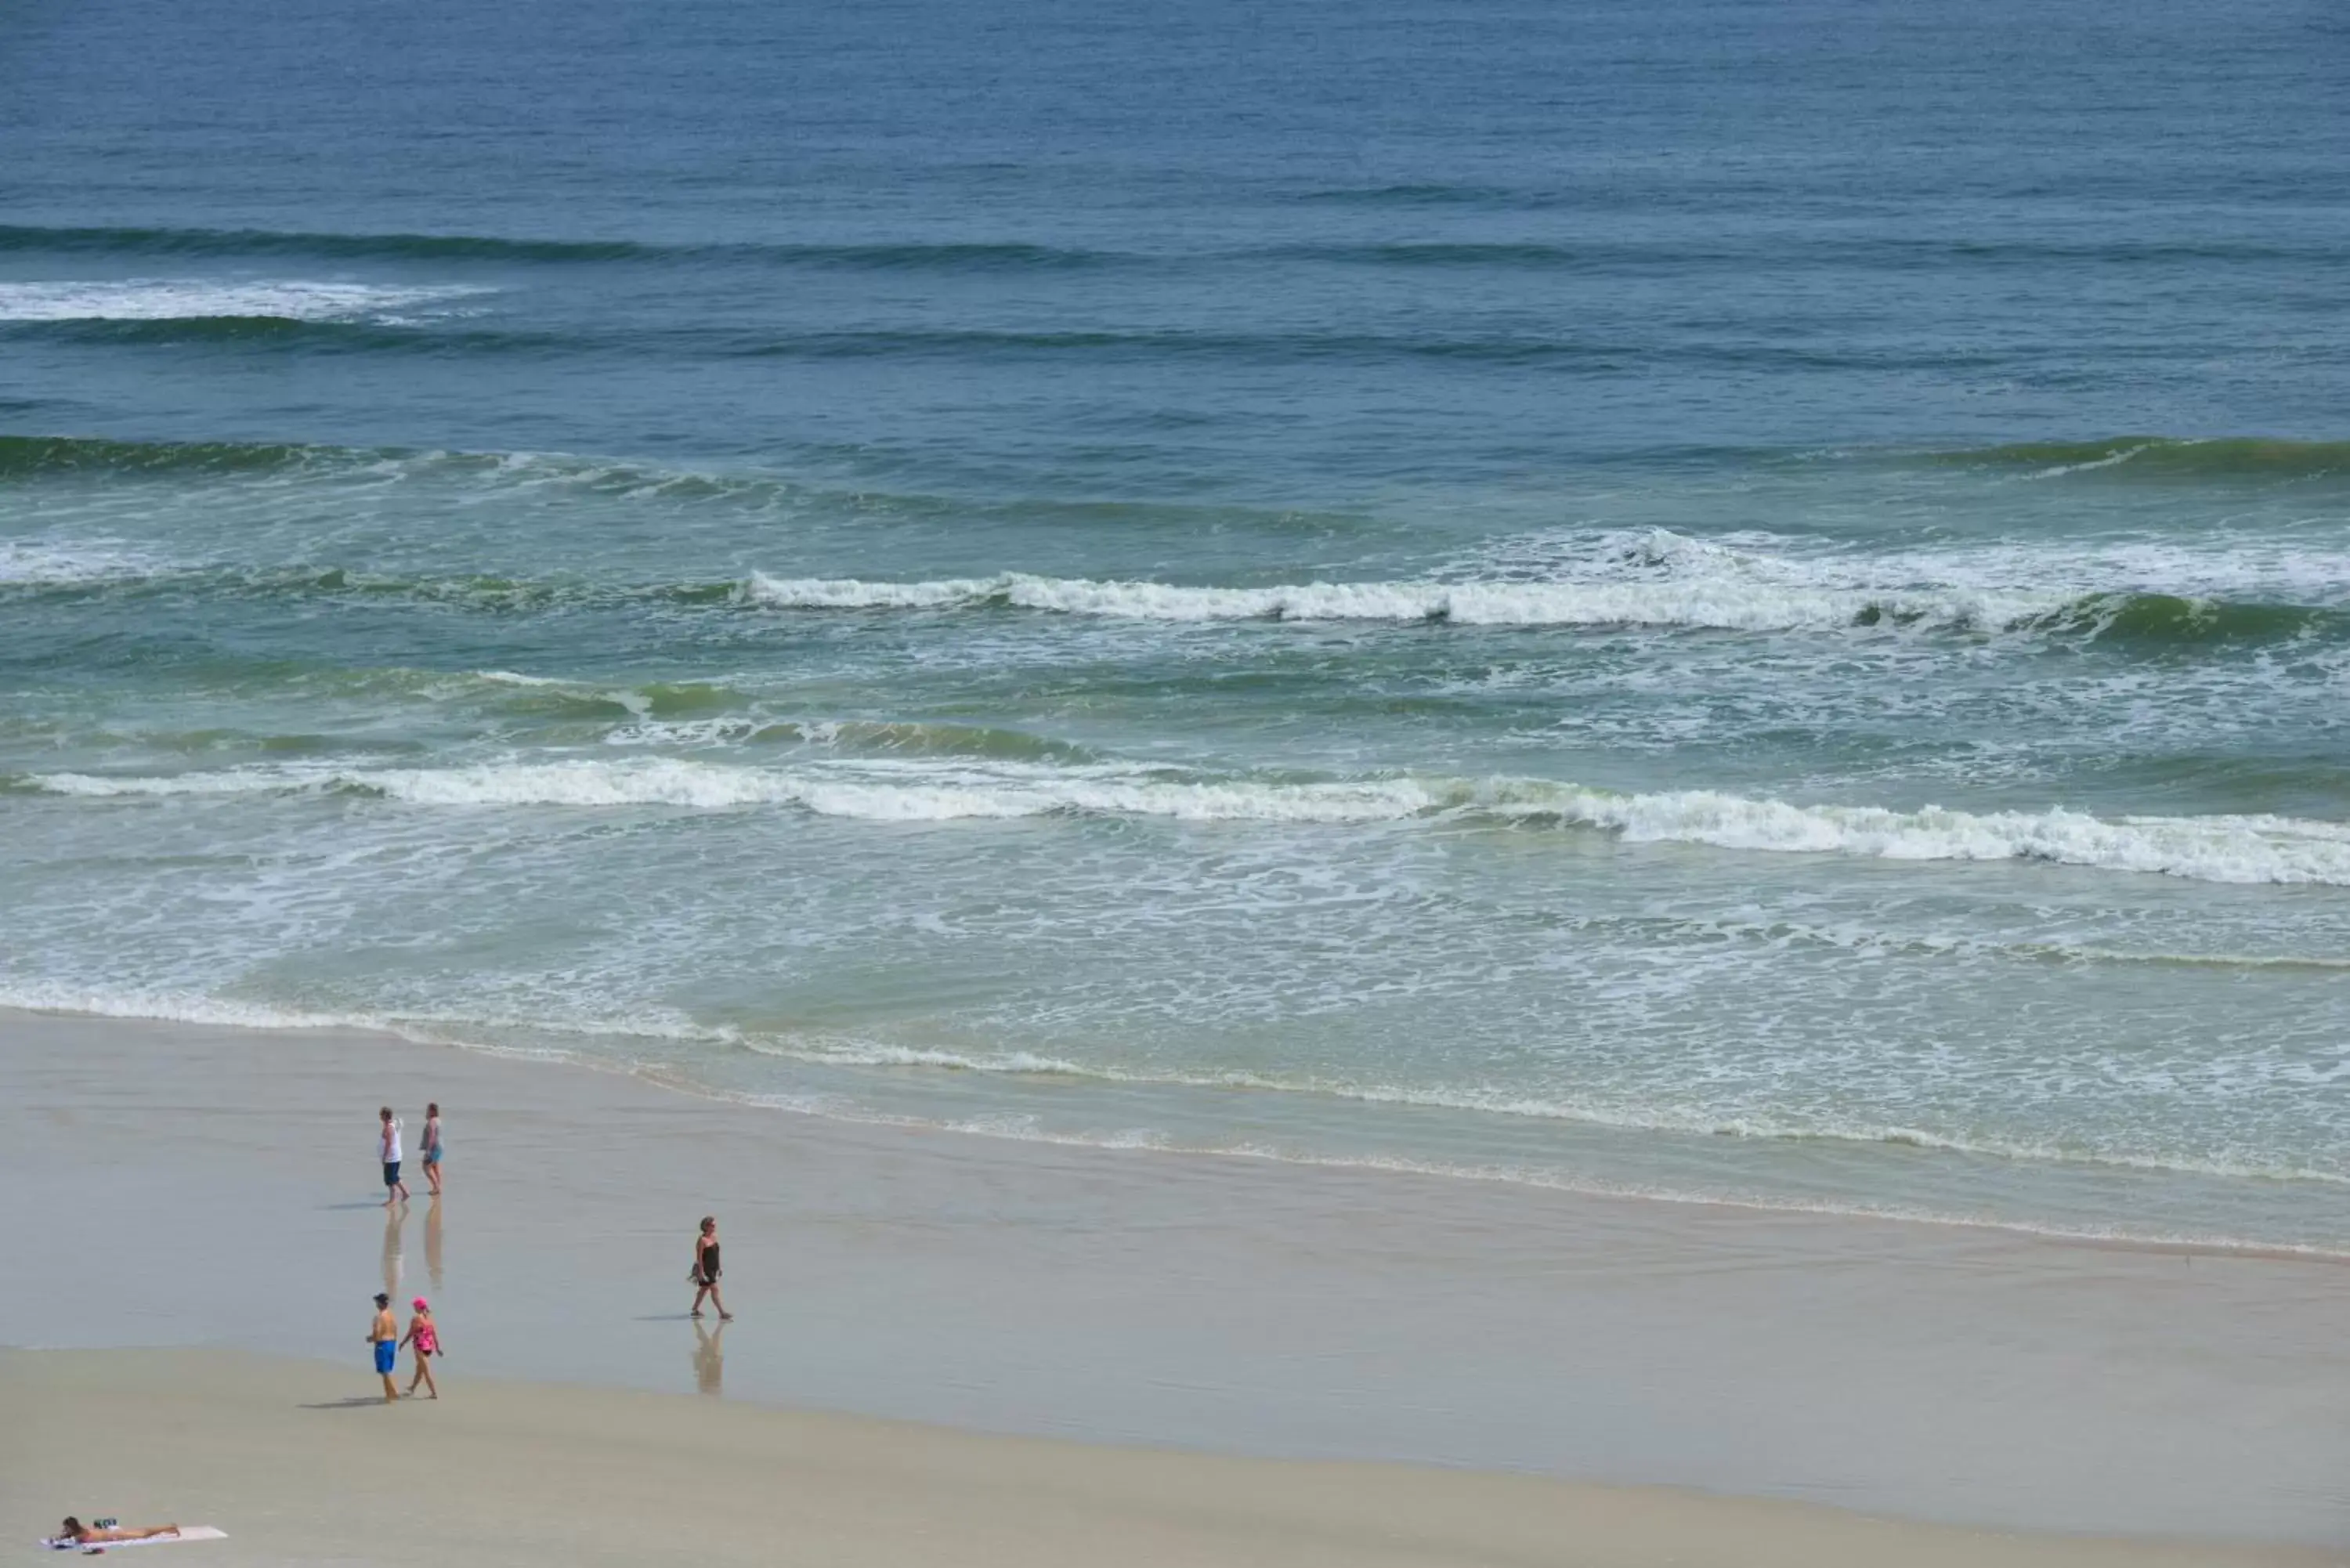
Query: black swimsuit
(710, 1263)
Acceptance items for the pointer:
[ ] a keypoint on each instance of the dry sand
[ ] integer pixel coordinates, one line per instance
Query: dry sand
(298, 1469)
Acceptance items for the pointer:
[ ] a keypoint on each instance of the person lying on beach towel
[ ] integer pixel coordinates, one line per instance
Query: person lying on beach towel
(76, 1533)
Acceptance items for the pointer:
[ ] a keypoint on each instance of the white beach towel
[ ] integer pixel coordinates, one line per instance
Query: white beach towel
(187, 1532)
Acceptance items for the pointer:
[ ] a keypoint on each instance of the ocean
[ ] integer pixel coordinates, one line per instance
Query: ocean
(1741, 603)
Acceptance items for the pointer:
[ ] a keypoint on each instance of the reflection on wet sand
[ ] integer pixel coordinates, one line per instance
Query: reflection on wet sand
(433, 1242)
(710, 1359)
(393, 1221)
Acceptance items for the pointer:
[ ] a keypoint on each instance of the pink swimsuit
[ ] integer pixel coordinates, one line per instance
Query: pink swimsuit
(427, 1342)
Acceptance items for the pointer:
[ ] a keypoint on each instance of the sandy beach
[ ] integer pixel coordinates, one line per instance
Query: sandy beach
(1026, 1350)
(517, 1472)
(1494, 786)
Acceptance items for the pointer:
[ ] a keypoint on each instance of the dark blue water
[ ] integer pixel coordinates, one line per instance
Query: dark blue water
(1276, 251)
(1502, 588)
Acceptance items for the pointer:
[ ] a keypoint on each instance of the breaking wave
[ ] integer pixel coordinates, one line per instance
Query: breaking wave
(2124, 593)
(2219, 848)
(876, 791)
(165, 299)
(1724, 602)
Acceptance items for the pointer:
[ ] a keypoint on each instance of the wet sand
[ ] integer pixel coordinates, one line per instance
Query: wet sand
(215, 1188)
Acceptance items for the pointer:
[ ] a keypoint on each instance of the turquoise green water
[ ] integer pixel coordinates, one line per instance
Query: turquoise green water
(1366, 617)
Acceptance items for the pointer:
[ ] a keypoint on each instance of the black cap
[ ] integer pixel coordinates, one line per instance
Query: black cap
(382, 1299)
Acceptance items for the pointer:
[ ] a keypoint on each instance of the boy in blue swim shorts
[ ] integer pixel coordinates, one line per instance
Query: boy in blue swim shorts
(384, 1334)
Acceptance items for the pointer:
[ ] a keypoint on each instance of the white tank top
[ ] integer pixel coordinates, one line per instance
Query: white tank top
(389, 1143)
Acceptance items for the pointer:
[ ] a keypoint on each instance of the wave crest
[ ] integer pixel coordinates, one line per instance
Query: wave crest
(1714, 596)
(883, 256)
(2164, 457)
(2222, 848)
(165, 299)
(1725, 603)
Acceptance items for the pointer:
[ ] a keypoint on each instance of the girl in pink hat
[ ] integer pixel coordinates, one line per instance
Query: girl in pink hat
(427, 1341)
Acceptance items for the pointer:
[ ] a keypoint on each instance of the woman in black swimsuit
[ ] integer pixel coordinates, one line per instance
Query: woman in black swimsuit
(704, 1274)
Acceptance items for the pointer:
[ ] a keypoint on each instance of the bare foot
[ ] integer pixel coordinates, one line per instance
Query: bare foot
(723, 1317)
(694, 1314)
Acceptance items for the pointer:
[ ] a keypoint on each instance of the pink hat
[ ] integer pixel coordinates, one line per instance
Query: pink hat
(420, 1305)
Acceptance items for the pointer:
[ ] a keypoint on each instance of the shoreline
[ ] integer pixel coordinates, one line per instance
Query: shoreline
(1216, 1306)
(425, 1035)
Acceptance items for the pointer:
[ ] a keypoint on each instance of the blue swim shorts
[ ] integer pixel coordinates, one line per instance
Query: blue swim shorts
(387, 1355)
(391, 1173)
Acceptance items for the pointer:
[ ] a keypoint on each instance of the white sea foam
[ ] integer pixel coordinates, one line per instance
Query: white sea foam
(184, 1006)
(173, 1007)
(2222, 848)
(1984, 585)
(2221, 565)
(1726, 602)
(873, 791)
(2204, 848)
(177, 299)
(41, 563)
